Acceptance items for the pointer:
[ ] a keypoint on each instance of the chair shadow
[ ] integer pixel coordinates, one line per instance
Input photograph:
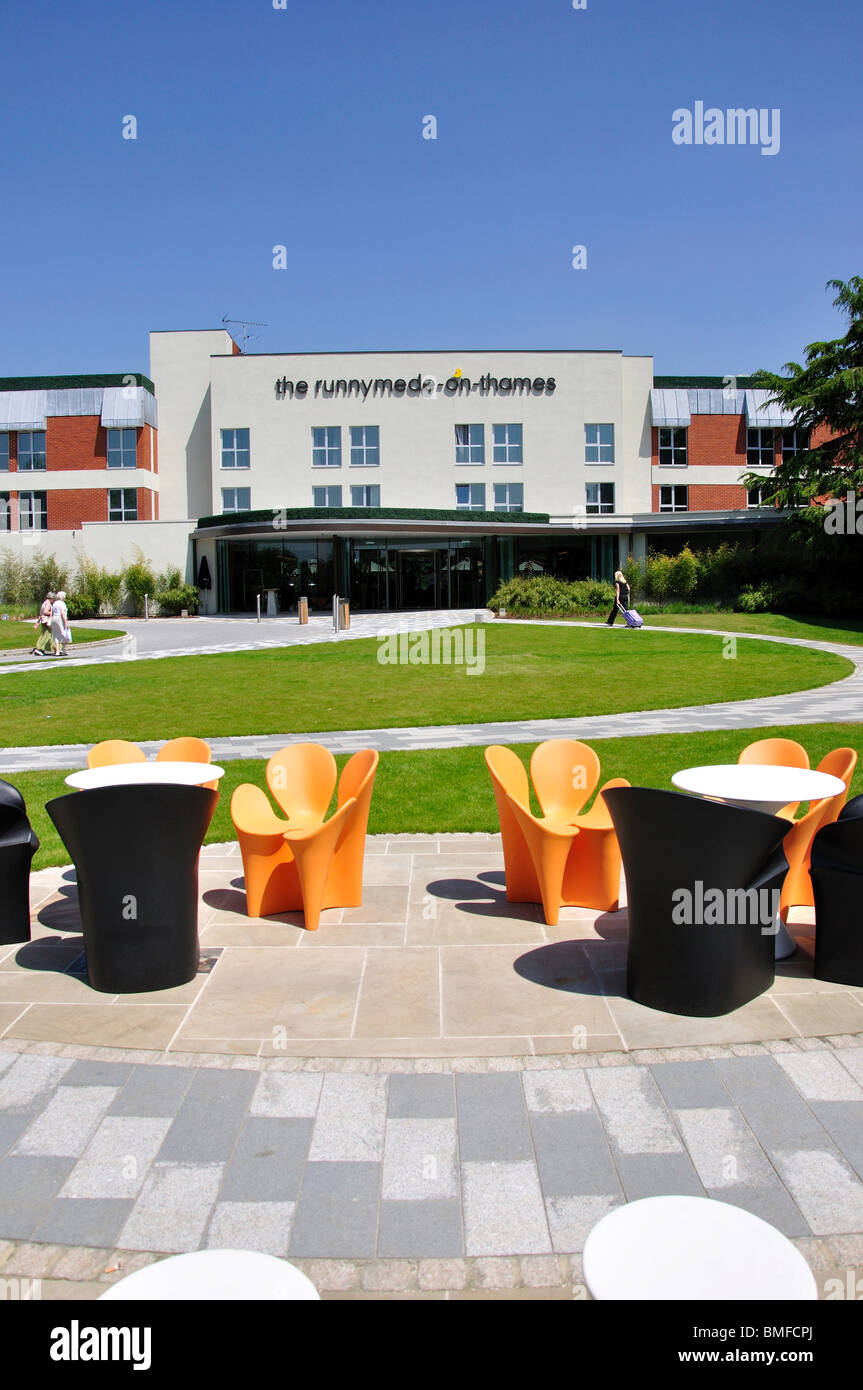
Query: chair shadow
(565, 966)
(62, 914)
(234, 900)
(481, 897)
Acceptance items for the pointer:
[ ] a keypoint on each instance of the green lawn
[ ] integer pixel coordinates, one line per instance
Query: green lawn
(450, 790)
(530, 672)
(16, 635)
(847, 630)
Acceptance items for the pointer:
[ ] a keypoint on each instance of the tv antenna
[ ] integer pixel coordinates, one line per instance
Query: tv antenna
(245, 325)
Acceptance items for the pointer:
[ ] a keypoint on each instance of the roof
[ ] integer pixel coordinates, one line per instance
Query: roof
(72, 383)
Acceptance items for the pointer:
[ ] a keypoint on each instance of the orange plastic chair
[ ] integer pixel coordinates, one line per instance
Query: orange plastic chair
(345, 877)
(187, 750)
(302, 779)
(115, 750)
(269, 867)
(565, 774)
(778, 752)
(592, 877)
(547, 845)
(797, 845)
(509, 778)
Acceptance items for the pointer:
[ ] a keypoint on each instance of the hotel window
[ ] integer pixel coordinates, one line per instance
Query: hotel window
(327, 446)
(672, 448)
(235, 449)
(123, 504)
(674, 499)
(599, 443)
(366, 496)
(755, 497)
(794, 442)
(4, 452)
(365, 446)
(327, 496)
(759, 448)
(5, 512)
(236, 499)
(470, 443)
(32, 511)
(122, 448)
(599, 498)
(31, 450)
(509, 497)
(470, 497)
(508, 443)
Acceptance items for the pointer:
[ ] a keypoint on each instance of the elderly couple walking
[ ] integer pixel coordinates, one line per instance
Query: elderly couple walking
(53, 625)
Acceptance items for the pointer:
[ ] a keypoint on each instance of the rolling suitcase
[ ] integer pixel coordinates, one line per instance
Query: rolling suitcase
(632, 618)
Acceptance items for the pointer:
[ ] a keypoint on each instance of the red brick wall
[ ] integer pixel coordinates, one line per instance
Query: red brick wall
(706, 497)
(68, 508)
(76, 442)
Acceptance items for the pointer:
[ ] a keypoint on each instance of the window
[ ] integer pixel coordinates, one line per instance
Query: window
(794, 442)
(470, 497)
(236, 499)
(755, 496)
(123, 504)
(470, 443)
(672, 448)
(235, 449)
(4, 452)
(674, 499)
(327, 496)
(759, 448)
(31, 449)
(599, 498)
(508, 443)
(327, 447)
(599, 443)
(366, 496)
(365, 446)
(32, 511)
(5, 512)
(122, 448)
(509, 497)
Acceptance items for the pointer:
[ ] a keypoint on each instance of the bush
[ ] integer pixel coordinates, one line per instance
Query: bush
(138, 581)
(753, 600)
(95, 592)
(12, 579)
(43, 573)
(658, 570)
(547, 595)
(683, 579)
(173, 601)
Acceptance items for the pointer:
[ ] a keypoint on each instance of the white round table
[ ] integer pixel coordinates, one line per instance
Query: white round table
(686, 1248)
(145, 774)
(215, 1274)
(760, 787)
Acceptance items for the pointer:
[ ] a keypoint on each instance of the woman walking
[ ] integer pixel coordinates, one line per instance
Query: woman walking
(622, 597)
(60, 623)
(43, 625)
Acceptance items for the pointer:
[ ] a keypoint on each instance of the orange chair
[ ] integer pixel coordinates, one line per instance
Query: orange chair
(592, 877)
(509, 779)
(305, 862)
(115, 750)
(797, 845)
(565, 774)
(187, 750)
(778, 752)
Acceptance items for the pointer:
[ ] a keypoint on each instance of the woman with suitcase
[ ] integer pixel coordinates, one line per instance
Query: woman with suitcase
(622, 597)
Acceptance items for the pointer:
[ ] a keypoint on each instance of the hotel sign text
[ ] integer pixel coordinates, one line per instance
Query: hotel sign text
(417, 386)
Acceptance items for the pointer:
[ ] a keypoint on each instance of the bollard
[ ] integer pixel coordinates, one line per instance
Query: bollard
(259, 607)
(336, 614)
(146, 608)
(303, 610)
(344, 614)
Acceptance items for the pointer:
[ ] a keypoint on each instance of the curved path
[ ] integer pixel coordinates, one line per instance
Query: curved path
(840, 702)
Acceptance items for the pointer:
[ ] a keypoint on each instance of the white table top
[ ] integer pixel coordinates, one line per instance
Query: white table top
(758, 782)
(215, 1274)
(145, 774)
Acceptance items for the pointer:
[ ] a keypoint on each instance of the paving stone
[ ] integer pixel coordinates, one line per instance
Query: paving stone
(11, 1128)
(29, 1082)
(635, 1118)
(421, 1097)
(496, 1274)
(420, 1160)
(68, 1121)
(492, 1120)
(432, 1227)
(723, 1148)
(820, 1076)
(557, 1092)
(572, 1154)
(84, 1221)
(332, 1275)
(769, 1200)
(153, 1090)
(349, 1127)
(852, 1060)
(117, 1159)
(825, 1189)
(390, 1275)
(172, 1210)
(571, 1219)
(770, 1104)
(81, 1264)
(541, 1271)
(28, 1186)
(657, 1175)
(503, 1209)
(337, 1213)
(268, 1160)
(843, 1121)
(263, 1226)
(292, 1095)
(193, 1137)
(33, 1261)
(442, 1274)
(90, 1073)
(689, 1085)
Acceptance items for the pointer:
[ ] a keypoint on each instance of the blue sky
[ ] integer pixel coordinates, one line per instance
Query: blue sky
(302, 127)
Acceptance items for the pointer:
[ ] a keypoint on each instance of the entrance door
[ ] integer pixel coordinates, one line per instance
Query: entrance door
(253, 583)
(420, 578)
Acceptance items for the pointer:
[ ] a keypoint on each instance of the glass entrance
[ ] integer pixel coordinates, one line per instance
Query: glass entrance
(418, 578)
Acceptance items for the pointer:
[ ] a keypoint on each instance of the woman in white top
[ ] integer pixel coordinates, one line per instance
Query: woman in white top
(60, 623)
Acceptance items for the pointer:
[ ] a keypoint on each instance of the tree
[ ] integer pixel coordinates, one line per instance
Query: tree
(828, 391)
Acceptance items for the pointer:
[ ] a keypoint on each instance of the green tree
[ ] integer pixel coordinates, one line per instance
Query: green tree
(828, 390)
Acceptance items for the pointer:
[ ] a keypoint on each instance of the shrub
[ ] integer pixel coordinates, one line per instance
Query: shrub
(12, 579)
(683, 578)
(173, 601)
(657, 577)
(43, 573)
(751, 600)
(138, 580)
(547, 595)
(95, 591)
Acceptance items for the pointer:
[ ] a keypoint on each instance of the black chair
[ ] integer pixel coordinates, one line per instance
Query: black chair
(693, 870)
(837, 886)
(18, 844)
(135, 849)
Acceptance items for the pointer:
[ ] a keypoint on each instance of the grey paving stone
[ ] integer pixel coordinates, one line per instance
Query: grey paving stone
(415, 1229)
(88, 1073)
(492, 1119)
(771, 1201)
(504, 1213)
(571, 1219)
(572, 1155)
(195, 1136)
(827, 1191)
(11, 1128)
(723, 1148)
(420, 1160)
(154, 1091)
(349, 1126)
(118, 1157)
(263, 1226)
(67, 1123)
(28, 1186)
(770, 1104)
(658, 1175)
(689, 1085)
(28, 1083)
(173, 1208)
(635, 1118)
(292, 1095)
(92, 1222)
(337, 1213)
(843, 1120)
(557, 1092)
(268, 1160)
(413, 1097)
(820, 1076)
